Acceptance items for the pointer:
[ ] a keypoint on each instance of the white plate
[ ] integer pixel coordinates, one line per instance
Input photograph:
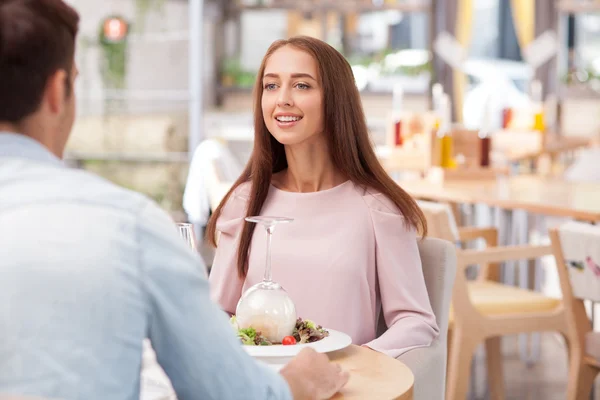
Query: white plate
(335, 341)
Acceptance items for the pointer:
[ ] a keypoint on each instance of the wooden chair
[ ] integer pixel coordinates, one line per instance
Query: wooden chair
(483, 309)
(577, 251)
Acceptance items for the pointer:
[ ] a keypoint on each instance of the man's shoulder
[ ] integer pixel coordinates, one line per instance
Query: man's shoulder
(99, 192)
(90, 188)
(31, 183)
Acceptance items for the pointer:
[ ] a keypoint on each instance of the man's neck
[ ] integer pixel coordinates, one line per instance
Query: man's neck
(9, 127)
(21, 129)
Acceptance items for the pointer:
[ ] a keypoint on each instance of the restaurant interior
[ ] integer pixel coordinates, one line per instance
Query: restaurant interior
(486, 112)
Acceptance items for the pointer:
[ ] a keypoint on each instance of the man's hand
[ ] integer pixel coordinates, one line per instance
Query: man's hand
(312, 377)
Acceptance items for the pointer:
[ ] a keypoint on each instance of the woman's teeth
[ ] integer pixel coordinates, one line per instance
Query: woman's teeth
(288, 119)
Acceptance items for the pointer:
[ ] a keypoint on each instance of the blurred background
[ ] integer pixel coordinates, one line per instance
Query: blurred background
(165, 109)
(157, 77)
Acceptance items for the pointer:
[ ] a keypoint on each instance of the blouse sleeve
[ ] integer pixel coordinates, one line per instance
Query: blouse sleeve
(225, 283)
(404, 298)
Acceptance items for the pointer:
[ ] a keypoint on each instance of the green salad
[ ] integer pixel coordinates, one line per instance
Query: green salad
(305, 331)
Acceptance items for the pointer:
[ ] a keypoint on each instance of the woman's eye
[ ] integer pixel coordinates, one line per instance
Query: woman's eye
(302, 86)
(270, 86)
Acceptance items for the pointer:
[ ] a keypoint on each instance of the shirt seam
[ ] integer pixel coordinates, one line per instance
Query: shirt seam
(374, 197)
(142, 206)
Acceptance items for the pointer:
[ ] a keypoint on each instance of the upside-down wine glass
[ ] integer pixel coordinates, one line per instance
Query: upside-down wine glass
(266, 306)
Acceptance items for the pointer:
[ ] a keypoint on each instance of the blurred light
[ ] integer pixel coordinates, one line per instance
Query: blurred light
(407, 58)
(591, 23)
(361, 76)
(393, 17)
(115, 29)
(596, 65)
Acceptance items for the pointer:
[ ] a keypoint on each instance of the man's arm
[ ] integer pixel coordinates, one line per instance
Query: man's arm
(193, 340)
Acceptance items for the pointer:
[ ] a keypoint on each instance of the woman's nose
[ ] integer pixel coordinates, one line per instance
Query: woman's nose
(284, 99)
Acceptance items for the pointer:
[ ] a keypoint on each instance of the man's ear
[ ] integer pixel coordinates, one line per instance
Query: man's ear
(56, 91)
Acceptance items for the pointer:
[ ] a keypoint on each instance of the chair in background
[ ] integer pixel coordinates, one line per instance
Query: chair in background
(428, 364)
(484, 309)
(577, 251)
(213, 169)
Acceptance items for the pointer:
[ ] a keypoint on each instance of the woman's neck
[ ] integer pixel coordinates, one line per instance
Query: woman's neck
(310, 169)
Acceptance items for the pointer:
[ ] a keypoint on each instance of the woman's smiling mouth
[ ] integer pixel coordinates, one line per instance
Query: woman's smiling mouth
(287, 120)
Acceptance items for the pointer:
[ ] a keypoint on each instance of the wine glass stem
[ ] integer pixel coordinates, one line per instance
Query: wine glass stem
(267, 277)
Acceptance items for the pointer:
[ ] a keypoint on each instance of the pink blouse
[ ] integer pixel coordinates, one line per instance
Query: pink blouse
(347, 254)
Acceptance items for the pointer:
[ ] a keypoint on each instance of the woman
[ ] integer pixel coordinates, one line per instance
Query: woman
(351, 250)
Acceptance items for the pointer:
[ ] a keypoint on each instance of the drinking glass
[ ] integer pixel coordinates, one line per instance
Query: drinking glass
(186, 231)
(266, 306)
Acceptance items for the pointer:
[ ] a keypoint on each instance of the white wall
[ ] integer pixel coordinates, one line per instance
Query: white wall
(163, 65)
(259, 30)
(154, 62)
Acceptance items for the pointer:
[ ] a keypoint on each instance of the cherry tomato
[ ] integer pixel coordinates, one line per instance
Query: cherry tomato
(288, 340)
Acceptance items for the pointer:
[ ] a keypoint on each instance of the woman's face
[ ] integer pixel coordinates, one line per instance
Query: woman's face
(292, 99)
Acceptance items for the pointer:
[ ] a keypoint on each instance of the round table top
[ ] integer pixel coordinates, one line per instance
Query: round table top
(373, 375)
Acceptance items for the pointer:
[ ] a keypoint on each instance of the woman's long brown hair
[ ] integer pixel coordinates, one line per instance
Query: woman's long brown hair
(347, 136)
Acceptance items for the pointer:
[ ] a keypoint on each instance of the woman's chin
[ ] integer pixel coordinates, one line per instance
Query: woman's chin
(289, 138)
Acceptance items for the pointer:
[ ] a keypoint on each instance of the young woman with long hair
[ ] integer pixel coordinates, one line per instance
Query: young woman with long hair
(351, 251)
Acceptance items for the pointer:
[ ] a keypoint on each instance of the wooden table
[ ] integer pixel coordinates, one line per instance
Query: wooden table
(373, 375)
(534, 194)
(553, 147)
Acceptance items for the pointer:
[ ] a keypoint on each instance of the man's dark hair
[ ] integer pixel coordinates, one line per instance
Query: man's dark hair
(37, 38)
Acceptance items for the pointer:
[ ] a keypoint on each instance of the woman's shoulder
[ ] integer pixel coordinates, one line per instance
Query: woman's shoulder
(234, 209)
(387, 218)
(241, 192)
(378, 201)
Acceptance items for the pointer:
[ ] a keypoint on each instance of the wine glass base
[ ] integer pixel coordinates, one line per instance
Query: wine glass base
(268, 285)
(269, 220)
